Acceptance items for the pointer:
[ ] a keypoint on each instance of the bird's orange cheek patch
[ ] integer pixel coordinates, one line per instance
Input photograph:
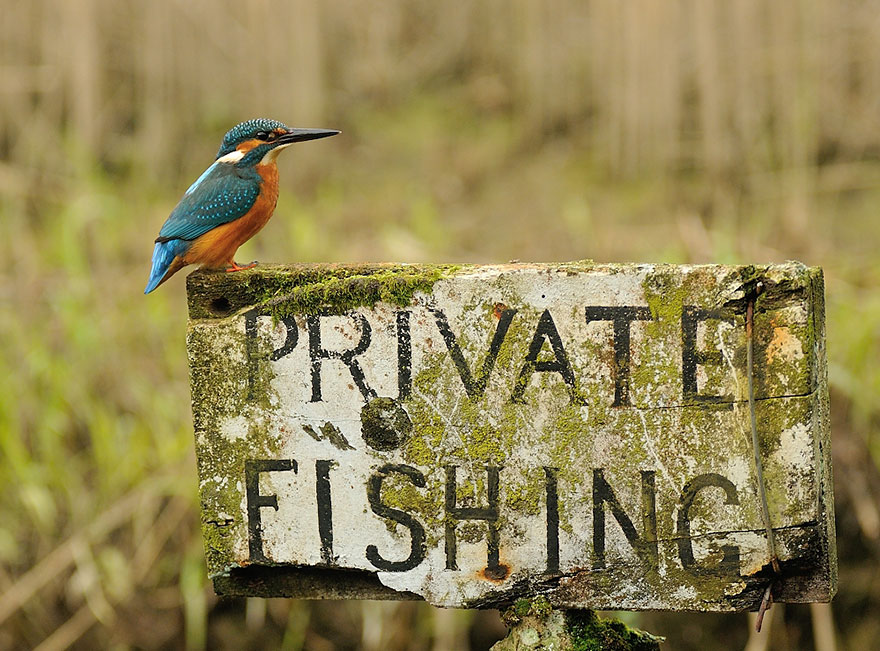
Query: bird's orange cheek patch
(248, 145)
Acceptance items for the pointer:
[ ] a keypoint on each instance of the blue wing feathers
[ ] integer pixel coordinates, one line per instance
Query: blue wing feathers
(201, 178)
(219, 196)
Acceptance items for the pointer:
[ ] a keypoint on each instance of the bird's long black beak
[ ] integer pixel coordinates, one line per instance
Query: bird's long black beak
(301, 135)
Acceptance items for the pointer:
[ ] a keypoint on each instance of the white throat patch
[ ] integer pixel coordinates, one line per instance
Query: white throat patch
(272, 154)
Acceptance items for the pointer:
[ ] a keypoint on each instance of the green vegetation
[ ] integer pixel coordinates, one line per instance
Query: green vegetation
(94, 406)
(471, 133)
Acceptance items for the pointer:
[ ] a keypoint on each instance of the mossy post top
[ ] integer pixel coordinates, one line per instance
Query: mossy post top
(471, 435)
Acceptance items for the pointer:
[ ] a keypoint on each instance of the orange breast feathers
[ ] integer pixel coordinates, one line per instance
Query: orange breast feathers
(217, 247)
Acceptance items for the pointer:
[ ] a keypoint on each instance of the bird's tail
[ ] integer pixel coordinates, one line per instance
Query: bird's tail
(166, 260)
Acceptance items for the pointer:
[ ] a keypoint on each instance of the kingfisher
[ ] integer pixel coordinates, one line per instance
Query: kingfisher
(229, 203)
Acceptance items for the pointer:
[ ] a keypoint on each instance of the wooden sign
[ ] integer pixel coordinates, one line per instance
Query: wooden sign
(473, 434)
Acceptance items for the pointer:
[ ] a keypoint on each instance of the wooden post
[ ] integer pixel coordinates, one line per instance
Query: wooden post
(535, 624)
(473, 435)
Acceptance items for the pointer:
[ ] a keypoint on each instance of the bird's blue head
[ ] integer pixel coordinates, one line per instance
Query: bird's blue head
(249, 143)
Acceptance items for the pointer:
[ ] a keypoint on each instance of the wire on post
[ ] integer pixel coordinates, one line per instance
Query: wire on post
(767, 600)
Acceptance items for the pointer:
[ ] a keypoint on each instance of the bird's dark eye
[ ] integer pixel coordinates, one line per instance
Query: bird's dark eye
(262, 135)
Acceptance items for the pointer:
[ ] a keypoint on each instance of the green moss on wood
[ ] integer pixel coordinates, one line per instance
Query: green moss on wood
(225, 386)
(539, 607)
(589, 633)
(280, 290)
(536, 625)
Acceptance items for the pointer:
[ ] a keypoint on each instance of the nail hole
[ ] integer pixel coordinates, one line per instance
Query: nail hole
(220, 306)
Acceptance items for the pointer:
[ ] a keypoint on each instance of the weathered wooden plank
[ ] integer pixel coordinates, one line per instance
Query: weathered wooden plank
(471, 434)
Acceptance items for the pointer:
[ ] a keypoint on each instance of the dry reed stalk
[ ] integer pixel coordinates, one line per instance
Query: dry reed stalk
(655, 82)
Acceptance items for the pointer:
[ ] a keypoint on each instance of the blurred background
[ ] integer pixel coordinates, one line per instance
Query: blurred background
(648, 130)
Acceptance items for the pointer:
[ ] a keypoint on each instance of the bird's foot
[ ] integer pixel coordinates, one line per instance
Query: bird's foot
(234, 266)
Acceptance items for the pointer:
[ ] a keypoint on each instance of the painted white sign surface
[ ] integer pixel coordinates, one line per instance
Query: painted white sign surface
(469, 435)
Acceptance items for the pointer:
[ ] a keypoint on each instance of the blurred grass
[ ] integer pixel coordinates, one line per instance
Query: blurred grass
(94, 403)
(638, 143)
